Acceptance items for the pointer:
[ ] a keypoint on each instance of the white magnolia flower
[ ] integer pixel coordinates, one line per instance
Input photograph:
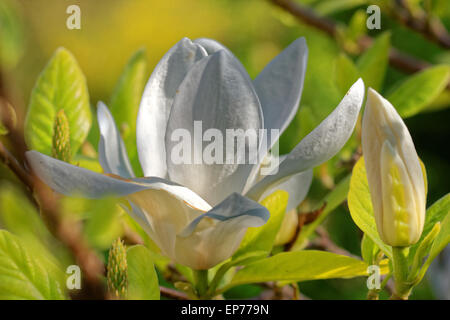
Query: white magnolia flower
(394, 173)
(197, 214)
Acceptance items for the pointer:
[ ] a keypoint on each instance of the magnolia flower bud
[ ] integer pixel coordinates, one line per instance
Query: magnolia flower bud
(394, 172)
(61, 137)
(117, 273)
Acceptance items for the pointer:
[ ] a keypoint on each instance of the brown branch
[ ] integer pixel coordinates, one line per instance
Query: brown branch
(173, 294)
(430, 28)
(397, 59)
(324, 242)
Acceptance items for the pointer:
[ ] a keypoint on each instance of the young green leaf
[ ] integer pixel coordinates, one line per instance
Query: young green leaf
(142, 278)
(261, 239)
(441, 241)
(360, 205)
(436, 213)
(369, 250)
(22, 275)
(60, 86)
(373, 63)
(11, 34)
(346, 73)
(301, 266)
(420, 90)
(124, 103)
(103, 223)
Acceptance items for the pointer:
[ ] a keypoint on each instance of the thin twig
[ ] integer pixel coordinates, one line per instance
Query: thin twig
(397, 59)
(430, 28)
(173, 294)
(324, 242)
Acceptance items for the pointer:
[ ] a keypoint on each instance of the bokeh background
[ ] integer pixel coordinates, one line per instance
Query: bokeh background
(256, 31)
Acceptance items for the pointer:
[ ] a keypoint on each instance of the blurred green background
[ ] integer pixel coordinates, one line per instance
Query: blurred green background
(256, 31)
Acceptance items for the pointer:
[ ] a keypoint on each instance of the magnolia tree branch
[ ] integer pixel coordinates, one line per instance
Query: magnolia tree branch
(397, 59)
(324, 242)
(421, 22)
(173, 294)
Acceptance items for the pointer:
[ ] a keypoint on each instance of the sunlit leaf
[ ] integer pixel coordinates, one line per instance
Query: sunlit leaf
(124, 103)
(22, 275)
(61, 85)
(261, 239)
(142, 278)
(373, 63)
(301, 266)
(436, 213)
(103, 223)
(11, 34)
(360, 205)
(346, 73)
(369, 250)
(419, 90)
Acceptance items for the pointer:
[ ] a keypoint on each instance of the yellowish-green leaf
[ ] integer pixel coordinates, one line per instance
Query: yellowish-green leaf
(124, 103)
(61, 85)
(261, 239)
(23, 275)
(436, 213)
(142, 279)
(346, 73)
(360, 205)
(373, 63)
(420, 90)
(103, 223)
(301, 266)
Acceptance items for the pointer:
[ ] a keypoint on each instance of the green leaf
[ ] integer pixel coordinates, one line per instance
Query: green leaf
(103, 224)
(441, 241)
(142, 278)
(420, 90)
(18, 215)
(261, 239)
(369, 250)
(346, 73)
(373, 63)
(124, 103)
(436, 213)
(11, 34)
(300, 266)
(22, 275)
(61, 85)
(360, 205)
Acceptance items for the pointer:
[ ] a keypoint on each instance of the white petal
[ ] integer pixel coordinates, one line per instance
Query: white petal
(279, 86)
(216, 95)
(381, 122)
(321, 144)
(297, 186)
(72, 180)
(156, 104)
(112, 153)
(205, 242)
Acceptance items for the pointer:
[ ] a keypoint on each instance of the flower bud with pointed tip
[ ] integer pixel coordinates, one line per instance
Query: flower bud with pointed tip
(394, 173)
(61, 137)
